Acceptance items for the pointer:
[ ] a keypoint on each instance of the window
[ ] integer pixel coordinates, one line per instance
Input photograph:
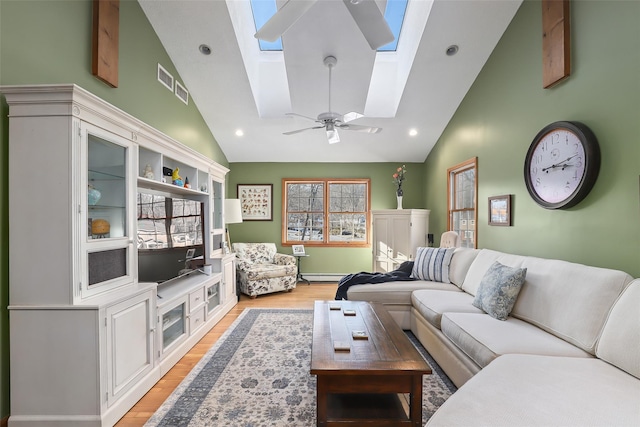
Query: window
(327, 212)
(462, 195)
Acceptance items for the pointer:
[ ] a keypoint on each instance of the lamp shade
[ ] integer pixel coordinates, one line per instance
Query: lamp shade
(232, 211)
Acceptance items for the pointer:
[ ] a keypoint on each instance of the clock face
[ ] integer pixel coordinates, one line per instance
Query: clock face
(562, 165)
(557, 165)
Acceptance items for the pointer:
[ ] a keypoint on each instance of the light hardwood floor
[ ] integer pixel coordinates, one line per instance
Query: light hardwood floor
(301, 297)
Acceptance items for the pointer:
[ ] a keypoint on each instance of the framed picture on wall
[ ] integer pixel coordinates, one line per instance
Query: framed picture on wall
(256, 201)
(500, 210)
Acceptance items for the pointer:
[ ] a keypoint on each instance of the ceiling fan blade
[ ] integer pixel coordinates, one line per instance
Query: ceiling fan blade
(351, 116)
(283, 19)
(371, 22)
(360, 128)
(300, 115)
(332, 136)
(292, 132)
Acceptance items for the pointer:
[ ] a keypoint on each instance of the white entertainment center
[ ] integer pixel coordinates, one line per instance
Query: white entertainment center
(87, 338)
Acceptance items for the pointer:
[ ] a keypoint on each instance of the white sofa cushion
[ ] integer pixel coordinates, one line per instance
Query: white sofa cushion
(620, 340)
(431, 304)
(460, 263)
(481, 264)
(483, 338)
(526, 391)
(569, 300)
(394, 292)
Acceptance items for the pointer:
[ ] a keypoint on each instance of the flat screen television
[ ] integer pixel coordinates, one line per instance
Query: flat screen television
(170, 236)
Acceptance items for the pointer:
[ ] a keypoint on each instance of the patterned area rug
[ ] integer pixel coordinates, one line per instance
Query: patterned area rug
(257, 374)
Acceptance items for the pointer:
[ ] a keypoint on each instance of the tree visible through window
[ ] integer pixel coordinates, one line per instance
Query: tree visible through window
(331, 212)
(462, 201)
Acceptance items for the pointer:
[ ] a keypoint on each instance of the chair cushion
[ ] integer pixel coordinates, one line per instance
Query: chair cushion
(483, 338)
(267, 271)
(255, 252)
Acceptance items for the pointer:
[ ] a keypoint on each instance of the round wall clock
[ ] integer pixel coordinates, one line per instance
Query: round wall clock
(562, 165)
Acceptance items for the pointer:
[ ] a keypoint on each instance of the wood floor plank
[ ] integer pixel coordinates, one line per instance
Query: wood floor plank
(303, 296)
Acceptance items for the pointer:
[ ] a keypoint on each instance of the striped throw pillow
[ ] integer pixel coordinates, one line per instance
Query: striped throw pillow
(432, 264)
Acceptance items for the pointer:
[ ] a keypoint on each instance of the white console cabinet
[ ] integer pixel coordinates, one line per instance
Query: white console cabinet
(397, 233)
(87, 339)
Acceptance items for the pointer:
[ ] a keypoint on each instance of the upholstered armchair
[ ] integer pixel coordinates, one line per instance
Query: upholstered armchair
(261, 270)
(450, 239)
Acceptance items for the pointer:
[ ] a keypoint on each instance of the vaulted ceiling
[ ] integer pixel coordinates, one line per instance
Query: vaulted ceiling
(239, 87)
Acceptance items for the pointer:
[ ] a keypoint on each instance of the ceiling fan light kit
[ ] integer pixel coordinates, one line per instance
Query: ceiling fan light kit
(332, 121)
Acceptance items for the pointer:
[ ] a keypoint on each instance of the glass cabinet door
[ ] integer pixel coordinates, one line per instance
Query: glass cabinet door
(106, 188)
(106, 200)
(174, 325)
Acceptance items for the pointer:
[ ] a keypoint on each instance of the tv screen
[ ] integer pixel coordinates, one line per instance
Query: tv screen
(170, 236)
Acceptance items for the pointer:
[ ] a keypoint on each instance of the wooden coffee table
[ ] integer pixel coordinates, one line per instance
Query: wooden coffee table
(360, 386)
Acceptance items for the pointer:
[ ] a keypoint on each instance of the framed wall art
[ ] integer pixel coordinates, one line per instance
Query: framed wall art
(256, 201)
(500, 210)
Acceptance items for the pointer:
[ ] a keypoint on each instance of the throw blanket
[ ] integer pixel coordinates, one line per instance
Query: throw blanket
(403, 273)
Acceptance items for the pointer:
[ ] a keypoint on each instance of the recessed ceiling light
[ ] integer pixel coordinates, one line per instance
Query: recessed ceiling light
(239, 132)
(204, 49)
(413, 132)
(452, 50)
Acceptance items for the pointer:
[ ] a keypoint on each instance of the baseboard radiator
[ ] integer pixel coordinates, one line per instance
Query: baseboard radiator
(323, 277)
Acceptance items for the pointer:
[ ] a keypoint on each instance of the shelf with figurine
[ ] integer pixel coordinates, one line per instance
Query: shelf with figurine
(162, 173)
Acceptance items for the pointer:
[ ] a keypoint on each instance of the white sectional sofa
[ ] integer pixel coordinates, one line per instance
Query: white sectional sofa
(567, 355)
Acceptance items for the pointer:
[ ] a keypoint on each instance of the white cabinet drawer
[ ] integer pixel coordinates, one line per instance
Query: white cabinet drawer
(196, 298)
(197, 318)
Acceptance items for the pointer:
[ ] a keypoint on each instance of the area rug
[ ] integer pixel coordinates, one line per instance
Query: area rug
(257, 374)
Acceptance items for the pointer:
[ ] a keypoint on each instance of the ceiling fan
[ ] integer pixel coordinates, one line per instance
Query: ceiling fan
(331, 121)
(366, 13)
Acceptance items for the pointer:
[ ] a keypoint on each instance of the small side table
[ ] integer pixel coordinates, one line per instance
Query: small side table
(299, 277)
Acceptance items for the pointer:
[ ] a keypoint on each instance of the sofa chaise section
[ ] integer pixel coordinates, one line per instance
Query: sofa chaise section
(535, 390)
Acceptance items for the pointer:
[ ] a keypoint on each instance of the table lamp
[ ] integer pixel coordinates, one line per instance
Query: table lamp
(232, 215)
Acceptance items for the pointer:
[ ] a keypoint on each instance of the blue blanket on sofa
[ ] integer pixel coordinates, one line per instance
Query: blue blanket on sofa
(403, 273)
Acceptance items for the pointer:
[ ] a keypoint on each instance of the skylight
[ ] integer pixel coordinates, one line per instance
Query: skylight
(394, 14)
(263, 10)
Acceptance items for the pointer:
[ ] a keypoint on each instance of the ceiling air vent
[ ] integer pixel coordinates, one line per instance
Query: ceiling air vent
(182, 93)
(165, 78)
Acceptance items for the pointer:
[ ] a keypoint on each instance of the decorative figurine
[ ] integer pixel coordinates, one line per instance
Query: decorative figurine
(186, 182)
(147, 172)
(176, 179)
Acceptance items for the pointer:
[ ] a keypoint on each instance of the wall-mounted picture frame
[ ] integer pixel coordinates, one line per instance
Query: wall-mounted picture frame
(500, 210)
(256, 201)
(298, 250)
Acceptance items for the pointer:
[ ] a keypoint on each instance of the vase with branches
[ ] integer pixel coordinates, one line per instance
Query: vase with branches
(398, 179)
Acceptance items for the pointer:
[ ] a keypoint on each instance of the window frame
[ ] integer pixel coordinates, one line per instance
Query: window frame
(452, 172)
(326, 242)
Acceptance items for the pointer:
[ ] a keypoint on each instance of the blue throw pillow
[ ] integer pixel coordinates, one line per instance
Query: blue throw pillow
(499, 289)
(432, 264)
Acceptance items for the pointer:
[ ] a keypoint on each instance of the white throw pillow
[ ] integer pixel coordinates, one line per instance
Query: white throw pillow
(432, 264)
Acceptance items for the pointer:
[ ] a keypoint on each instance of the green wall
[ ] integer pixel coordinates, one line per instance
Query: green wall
(507, 106)
(322, 260)
(43, 42)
